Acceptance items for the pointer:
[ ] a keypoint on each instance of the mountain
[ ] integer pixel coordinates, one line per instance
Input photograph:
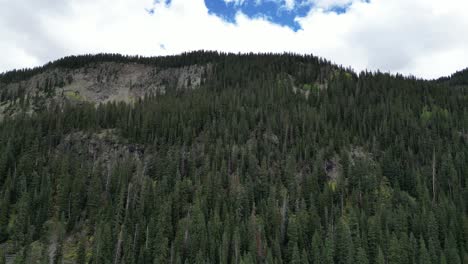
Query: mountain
(209, 157)
(458, 78)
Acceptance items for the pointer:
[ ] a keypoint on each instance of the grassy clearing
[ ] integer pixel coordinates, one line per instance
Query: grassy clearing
(74, 95)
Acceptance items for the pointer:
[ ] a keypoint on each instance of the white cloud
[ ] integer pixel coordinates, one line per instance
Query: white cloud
(289, 4)
(327, 4)
(427, 38)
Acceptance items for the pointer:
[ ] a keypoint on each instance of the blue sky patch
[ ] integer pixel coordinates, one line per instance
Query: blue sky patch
(274, 11)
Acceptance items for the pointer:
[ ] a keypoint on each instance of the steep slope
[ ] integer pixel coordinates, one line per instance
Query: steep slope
(95, 83)
(268, 159)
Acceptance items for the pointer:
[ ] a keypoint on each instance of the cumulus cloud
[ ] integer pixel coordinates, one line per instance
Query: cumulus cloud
(426, 38)
(327, 4)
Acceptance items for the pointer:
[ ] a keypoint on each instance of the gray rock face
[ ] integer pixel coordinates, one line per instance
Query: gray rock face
(98, 83)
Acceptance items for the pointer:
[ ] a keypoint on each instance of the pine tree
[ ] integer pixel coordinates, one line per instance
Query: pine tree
(380, 259)
(344, 244)
(394, 251)
(433, 238)
(451, 250)
(296, 256)
(4, 208)
(81, 254)
(373, 238)
(316, 248)
(2, 257)
(328, 250)
(304, 257)
(22, 220)
(45, 255)
(443, 260)
(424, 257)
(19, 259)
(293, 235)
(361, 256)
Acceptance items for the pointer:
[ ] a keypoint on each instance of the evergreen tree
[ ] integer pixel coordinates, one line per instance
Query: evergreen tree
(424, 256)
(296, 256)
(81, 254)
(316, 248)
(328, 250)
(394, 251)
(361, 256)
(2, 257)
(304, 257)
(380, 259)
(344, 244)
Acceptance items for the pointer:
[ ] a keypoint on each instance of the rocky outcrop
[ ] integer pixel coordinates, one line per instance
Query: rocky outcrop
(97, 83)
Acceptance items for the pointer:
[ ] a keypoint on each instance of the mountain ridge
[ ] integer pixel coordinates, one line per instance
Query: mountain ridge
(261, 159)
(189, 58)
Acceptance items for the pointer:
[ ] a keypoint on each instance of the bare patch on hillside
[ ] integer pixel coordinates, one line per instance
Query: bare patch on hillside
(97, 83)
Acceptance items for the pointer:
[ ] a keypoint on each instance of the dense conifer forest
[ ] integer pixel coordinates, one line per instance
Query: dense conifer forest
(274, 158)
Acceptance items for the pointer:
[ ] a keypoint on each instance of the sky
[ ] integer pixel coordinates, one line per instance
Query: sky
(423, 38)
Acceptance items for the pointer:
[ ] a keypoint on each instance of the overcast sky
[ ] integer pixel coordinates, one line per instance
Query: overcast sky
(425, 38)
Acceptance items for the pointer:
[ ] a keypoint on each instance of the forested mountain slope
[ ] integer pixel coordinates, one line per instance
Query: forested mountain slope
(223, 158)
(458, 78)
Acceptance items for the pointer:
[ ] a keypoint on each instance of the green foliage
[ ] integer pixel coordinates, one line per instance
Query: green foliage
(344, 244)
(81, 254)
(361, 256)
(458, 78)
(311, 87)
(380, 259)
(74, 95)
(242, 169)
(2, 256)
(423, 254)
(394, 251)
